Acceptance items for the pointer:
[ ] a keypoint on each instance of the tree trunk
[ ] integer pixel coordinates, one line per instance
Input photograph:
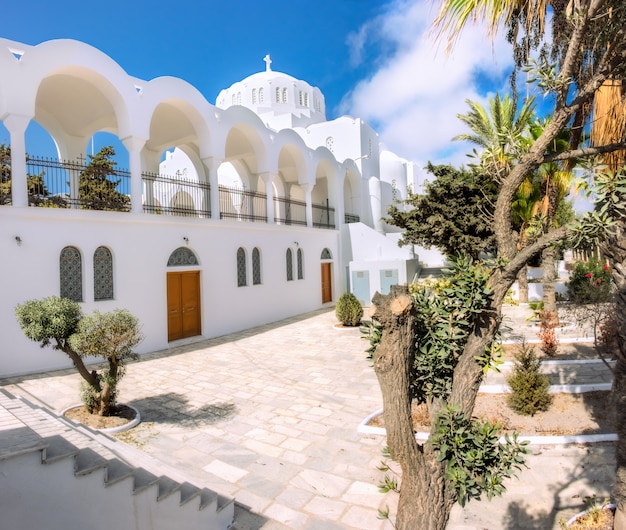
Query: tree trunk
(522, 284)
(424, 502)
(616, 252)
(549, 279)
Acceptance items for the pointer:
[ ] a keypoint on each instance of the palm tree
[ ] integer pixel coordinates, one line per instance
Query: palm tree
(503, 134)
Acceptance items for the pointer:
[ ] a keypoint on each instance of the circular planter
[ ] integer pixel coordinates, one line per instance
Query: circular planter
(582, 514)
(111, 430)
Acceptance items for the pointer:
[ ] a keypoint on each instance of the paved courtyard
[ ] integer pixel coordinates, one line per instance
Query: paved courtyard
(269, 416)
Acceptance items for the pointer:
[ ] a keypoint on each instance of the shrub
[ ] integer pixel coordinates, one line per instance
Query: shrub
(590, 282)
(529, 387)
(58, 322)
(349, 310)
(549, 342)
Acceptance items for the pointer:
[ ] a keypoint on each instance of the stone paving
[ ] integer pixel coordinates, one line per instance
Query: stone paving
(269, 416)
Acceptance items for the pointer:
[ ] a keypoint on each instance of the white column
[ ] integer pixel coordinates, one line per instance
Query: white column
(376, 204)
(268, 180)
(212, 163)
(308, 191)
(16, 126)
(134, 145)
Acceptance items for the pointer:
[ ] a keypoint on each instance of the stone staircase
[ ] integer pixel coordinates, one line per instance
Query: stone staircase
(55, 474)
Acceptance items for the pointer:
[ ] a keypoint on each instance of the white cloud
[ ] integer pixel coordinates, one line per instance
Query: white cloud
(414, 91)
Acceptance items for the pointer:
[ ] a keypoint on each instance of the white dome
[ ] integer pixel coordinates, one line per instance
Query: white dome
(280, 100)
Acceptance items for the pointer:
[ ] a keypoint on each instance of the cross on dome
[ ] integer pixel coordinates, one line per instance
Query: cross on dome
(268, 62)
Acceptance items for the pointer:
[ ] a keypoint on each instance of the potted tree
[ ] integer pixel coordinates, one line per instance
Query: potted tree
(60, 323)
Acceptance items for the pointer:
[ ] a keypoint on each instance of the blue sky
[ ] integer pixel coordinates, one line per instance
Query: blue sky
(372, 59)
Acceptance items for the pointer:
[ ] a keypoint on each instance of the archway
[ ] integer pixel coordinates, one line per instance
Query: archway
(183, 296)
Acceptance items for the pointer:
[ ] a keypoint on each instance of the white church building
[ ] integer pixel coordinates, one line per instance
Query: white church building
(237, 214)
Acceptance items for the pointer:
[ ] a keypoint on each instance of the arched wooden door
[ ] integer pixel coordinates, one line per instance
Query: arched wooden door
(183, 305)
(327, 278)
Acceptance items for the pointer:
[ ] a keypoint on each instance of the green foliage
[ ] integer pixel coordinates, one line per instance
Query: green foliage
(349, 310)
(477, 463)
(372, 331)
(59, 322)
(453, 215)
(529, 387)
(51, 318)
(590, 282)
(38, 194)
(110, 335)
(97, 186)
(444, 322)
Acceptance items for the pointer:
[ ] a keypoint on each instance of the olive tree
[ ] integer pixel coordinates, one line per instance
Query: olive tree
(59, 323)
(585, 48)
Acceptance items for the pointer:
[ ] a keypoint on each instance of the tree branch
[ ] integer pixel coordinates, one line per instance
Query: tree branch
(584, 152)
(521, 258)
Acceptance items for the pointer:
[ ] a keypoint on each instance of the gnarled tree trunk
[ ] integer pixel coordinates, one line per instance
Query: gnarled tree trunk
(522, 285)
(549, 278)
(615, 250)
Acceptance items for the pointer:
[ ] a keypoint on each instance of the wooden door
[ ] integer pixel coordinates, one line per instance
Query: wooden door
(183, 305)
(327, 288)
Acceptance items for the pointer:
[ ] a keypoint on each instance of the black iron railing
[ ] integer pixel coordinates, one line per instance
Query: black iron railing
(351, 218)
(289, 211)
(323, 216)
(65, 184)
(242, 204)
(175, 195)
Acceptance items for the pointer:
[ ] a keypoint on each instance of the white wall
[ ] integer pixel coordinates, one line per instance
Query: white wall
(141, 245)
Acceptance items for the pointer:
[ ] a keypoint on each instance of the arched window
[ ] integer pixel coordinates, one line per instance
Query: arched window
(241, 268)
(238, 98)
(300, 98)
(300, 264)
(326, 254)
(71, 274)
(289, 265)
(284, 95)
(182, 257)
(256, 266)
(253, 95)
(277, 94)
(234, 99)
(260, 95)
(306, 99)
(102, 274)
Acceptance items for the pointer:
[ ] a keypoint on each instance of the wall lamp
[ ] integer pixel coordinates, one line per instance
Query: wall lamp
(296, 243)
(18, 240)
(186, 239)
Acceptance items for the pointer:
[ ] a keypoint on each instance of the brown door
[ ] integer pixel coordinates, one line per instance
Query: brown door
(327, 289)
(183, 305)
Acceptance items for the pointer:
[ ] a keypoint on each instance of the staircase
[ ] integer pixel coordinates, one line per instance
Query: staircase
(57, 475)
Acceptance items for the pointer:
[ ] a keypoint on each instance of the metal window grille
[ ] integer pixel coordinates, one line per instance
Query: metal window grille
(102, 274)
(289, 265)
(256, 266)
(300, 264)
(241, 268)
(71, 274)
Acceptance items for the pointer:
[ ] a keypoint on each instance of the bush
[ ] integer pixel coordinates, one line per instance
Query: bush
(549, 342)
(58, 322)
(529, 387)
(349, 310)
(590, 282)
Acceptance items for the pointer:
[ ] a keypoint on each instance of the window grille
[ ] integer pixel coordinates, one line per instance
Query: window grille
(102, 274)
(254, 96)
(182, 257)
(300, 264)
(71, 274)
(241, 268)
(289, 265)
(256, 266)
(326, 254)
